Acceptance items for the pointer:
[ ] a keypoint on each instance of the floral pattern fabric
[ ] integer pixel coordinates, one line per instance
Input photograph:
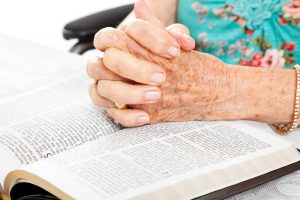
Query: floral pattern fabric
(258, 33)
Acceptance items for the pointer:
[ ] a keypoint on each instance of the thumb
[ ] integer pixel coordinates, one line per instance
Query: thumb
(141, 11)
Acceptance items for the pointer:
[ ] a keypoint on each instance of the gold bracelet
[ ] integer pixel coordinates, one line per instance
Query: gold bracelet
(285, 129)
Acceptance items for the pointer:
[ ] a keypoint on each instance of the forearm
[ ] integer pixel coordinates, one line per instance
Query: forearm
(266, 94)
(165, 11)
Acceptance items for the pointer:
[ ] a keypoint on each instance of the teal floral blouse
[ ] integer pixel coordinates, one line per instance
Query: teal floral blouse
(258, 33)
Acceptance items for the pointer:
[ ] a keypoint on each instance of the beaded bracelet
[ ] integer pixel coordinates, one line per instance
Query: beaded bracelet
(285, 129)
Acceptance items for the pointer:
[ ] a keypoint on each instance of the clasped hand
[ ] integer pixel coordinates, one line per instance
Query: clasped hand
(154, 71)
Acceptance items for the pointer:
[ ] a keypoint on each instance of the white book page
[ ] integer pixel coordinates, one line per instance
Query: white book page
(44, 104)
(25, 66)
(43, 99)
(135, 161)
(62, 118)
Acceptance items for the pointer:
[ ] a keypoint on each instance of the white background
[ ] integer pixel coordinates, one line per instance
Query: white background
(42, 21)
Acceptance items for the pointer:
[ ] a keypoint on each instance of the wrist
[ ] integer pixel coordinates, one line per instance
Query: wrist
(265, 94)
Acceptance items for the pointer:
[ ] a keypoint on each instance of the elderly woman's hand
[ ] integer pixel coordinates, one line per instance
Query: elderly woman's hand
(192, 86)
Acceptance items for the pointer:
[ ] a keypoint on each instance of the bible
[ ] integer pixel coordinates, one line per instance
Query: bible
(54, 144)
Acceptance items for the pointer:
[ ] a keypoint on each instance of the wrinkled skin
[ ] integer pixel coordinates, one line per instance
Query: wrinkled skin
(191, 92)
(198, 86)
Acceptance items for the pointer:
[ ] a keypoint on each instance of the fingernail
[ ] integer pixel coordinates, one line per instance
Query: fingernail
(152, 95)
(142, 119)
(173, 51)
(158, 78)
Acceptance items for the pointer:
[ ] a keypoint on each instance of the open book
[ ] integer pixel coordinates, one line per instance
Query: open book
(55, 143)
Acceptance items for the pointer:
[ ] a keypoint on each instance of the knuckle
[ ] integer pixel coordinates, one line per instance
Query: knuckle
(98, 38)
(103, 37)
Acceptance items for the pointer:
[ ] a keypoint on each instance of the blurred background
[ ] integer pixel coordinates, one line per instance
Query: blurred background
(42, 21)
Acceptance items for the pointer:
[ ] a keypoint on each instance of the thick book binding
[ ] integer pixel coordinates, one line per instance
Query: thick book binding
(26, 191)
(251, 183)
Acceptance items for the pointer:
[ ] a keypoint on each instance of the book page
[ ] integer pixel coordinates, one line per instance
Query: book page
(48, 122)
(44, 104)
(141, 160)
(25, 66)
(43, 99)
